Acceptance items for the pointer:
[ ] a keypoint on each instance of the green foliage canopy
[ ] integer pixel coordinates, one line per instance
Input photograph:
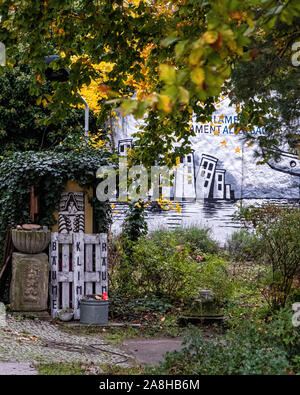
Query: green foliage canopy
(194, 47)
(23, 121)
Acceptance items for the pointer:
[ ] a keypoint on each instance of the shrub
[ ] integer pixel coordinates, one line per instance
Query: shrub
(244, 246)
(256, 348)
(214, 276)
(195, 238)
(278, 229)
(161, 267)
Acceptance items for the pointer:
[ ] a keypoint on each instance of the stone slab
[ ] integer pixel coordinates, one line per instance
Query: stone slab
(152, 351)
(16, 369)
(29, 284)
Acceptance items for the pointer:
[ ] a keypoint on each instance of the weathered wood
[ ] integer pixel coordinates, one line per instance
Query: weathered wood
(65, 269)
(78, 270)
(64, 239)
(91, 239)
(98, 267)
(92, 277)
(54, 256)
(104, 276)
(89, 267)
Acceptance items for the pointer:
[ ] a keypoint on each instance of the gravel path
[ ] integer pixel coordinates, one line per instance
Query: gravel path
(31, 341)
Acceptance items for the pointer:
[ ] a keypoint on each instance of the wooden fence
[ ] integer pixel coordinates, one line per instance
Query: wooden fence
(78, 267)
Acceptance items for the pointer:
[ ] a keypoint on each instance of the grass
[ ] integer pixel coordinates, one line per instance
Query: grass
(61, 369)
(166, 326)
(76, 368)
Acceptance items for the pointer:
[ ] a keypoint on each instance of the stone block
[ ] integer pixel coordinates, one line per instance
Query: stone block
(29, 284)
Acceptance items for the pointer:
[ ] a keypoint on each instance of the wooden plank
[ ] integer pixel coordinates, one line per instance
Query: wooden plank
(92, 277)
(88, 267)
(65, 277)
(64, 238)
(78, 271)
(91, 239)
(87, 276)
(54, 256)
(65, 269)
(83, 268)
(104, 264)
(98, 289)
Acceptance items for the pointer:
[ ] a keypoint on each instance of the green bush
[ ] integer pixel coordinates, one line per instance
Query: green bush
(161, 267)
(214, 276)
(258, 348)
(278, 229)
(244, 246)
(193, 237)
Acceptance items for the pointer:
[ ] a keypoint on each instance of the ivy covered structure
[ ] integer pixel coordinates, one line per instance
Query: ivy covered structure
(48, 172)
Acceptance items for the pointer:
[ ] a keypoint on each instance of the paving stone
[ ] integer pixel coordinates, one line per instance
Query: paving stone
(17, 368)
(152, 351)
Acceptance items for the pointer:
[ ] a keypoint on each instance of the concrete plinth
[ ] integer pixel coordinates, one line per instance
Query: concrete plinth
(29, 284)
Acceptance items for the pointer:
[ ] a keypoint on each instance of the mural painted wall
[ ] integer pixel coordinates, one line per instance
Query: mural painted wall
(221, 169)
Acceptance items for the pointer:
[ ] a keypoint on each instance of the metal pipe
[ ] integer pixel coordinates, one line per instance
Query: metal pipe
(86, 116)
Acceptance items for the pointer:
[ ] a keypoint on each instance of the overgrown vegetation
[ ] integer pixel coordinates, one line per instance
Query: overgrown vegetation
(166, 269)
(256, 348)
(278, 230)
(244, 245)
(169, 265)
(48, 172)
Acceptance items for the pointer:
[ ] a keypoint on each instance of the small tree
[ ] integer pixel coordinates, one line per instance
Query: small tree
(279, 230)
(23, 117)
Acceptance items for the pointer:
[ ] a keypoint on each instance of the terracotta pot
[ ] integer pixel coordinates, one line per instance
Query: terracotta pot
(31, 242)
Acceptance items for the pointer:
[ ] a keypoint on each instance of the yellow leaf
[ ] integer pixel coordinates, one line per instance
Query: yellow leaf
(210, 37)
(197, 75)
(167, 73)
(195, 56)
(164, 103)
(184, 96)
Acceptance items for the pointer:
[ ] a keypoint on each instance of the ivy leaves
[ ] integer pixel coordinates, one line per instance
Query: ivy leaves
(48, 172)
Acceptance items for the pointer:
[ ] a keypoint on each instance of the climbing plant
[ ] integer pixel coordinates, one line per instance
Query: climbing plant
(48, 172)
